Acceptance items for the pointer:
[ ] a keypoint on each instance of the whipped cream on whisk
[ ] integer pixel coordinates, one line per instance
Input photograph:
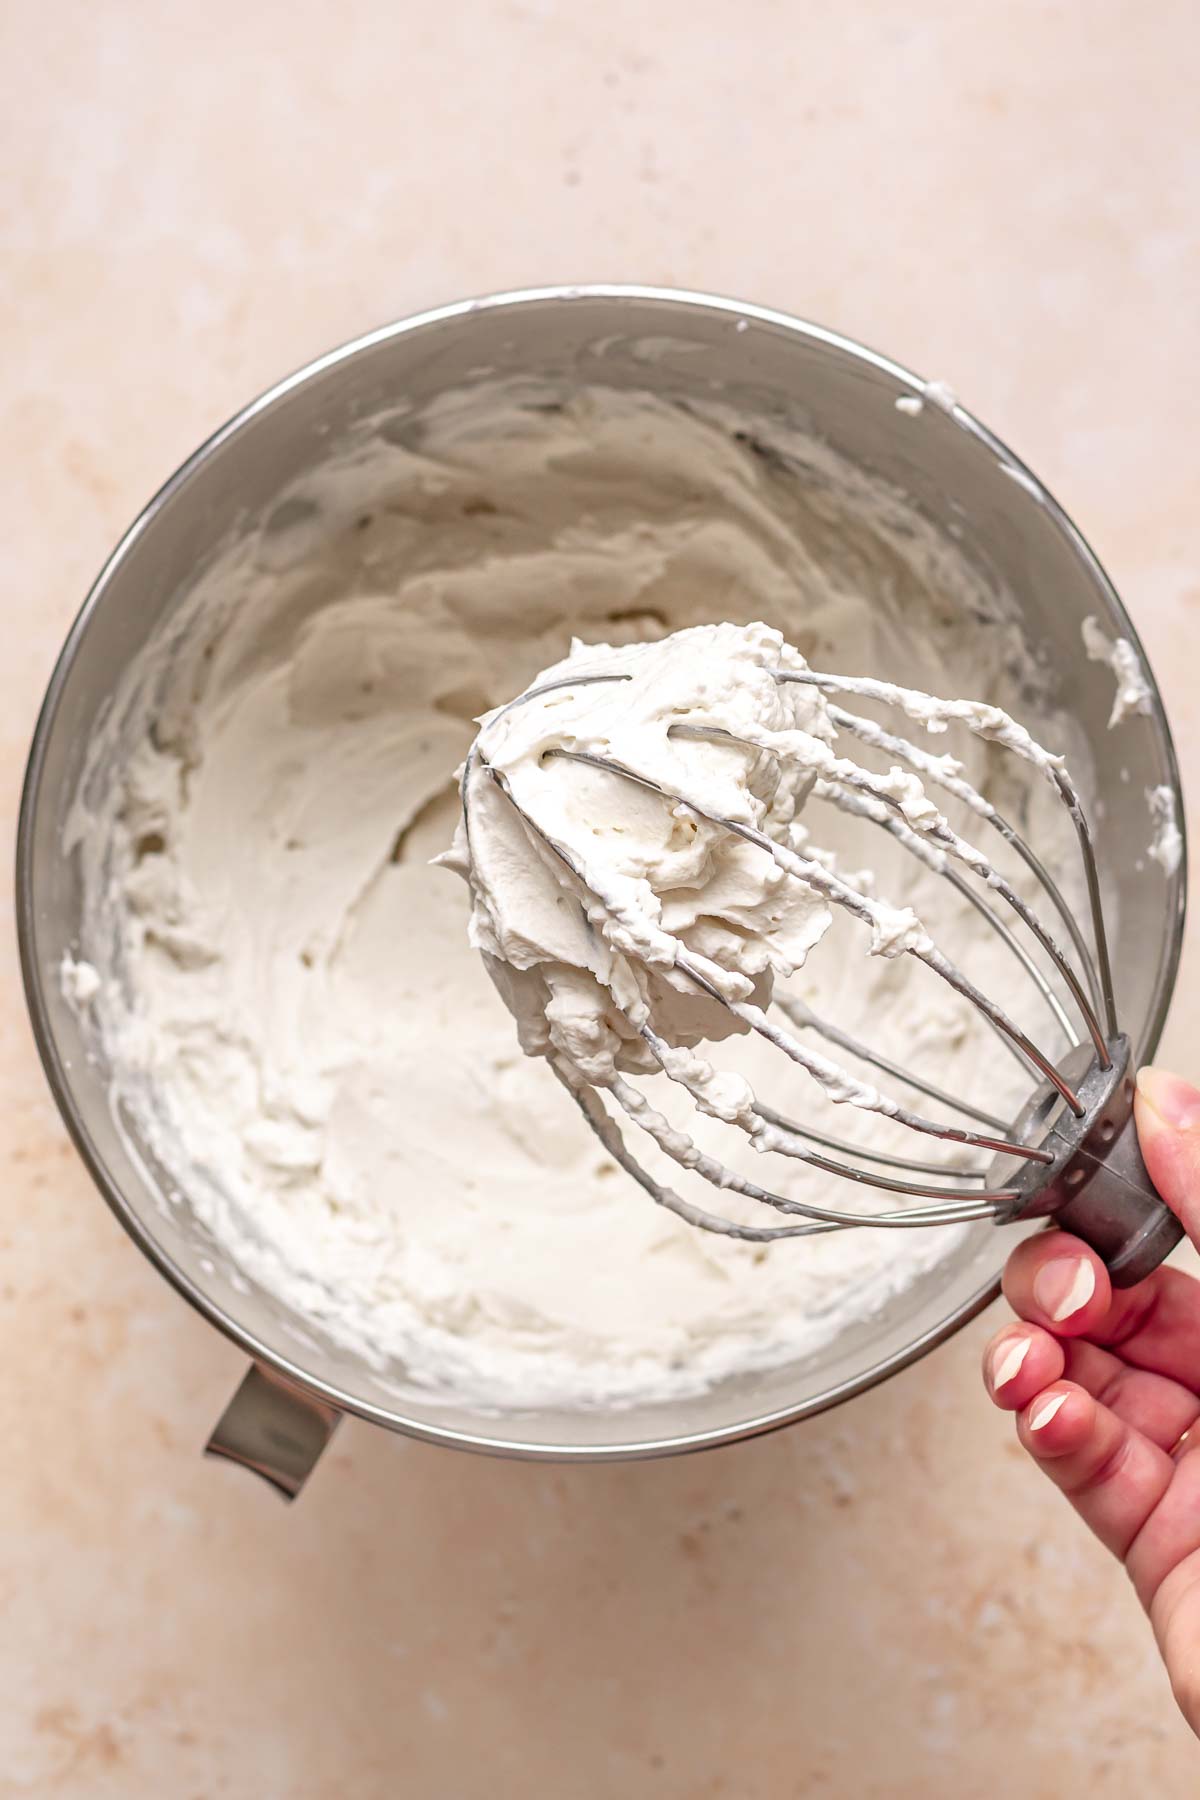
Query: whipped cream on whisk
(640, 872)
(611, 875)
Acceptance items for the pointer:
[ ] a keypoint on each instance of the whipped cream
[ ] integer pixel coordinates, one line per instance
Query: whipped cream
(1166, 847)
(579, 874)
(937, 393)
(1133, 694)
(281, 984)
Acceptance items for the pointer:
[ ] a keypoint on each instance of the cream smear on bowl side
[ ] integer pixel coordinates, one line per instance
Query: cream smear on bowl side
(1132, 694)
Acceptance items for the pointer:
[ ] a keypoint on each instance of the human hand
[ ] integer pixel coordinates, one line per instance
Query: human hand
(1106, 1386)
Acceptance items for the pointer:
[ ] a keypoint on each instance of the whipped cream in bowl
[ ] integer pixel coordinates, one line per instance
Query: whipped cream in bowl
(288, 1065)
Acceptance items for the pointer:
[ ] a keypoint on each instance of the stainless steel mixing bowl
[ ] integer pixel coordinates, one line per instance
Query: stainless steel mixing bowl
(773, 369)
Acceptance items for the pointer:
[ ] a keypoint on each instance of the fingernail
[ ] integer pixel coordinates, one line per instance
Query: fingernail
(1064, 1285)
(1176, 1101)
(1044, 1413)
(1007, 1359)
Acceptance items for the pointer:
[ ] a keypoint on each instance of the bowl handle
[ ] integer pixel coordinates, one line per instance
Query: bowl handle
(274, 1428)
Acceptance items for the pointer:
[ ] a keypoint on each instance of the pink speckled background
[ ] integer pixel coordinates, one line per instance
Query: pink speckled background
(884, 1604)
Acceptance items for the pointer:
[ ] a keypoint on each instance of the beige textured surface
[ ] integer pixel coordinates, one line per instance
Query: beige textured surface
(881, 1604)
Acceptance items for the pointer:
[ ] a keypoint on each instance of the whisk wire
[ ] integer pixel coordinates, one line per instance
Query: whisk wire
(802, 1017)
(885, 1158)
(860, 807)
(936, 769)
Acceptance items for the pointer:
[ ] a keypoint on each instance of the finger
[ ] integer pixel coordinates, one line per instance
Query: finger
(1054, 1280)
(1175, 1615)
(1167, 1112)
(1112, 1475)
(1155, 1325)
(1018, 1363)
(1162, 1410)
(1141, 1504)
(1170, 1533)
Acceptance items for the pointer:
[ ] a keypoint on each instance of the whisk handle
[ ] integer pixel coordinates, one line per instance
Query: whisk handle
(1097, 1185)
(1116, 1210)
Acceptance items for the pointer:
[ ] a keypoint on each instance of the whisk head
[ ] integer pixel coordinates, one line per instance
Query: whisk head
(1080, 1099)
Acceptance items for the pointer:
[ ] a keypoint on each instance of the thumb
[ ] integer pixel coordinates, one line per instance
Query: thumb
(1167, 1112)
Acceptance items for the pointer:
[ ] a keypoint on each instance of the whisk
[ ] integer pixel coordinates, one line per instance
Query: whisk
(1071, 1151)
